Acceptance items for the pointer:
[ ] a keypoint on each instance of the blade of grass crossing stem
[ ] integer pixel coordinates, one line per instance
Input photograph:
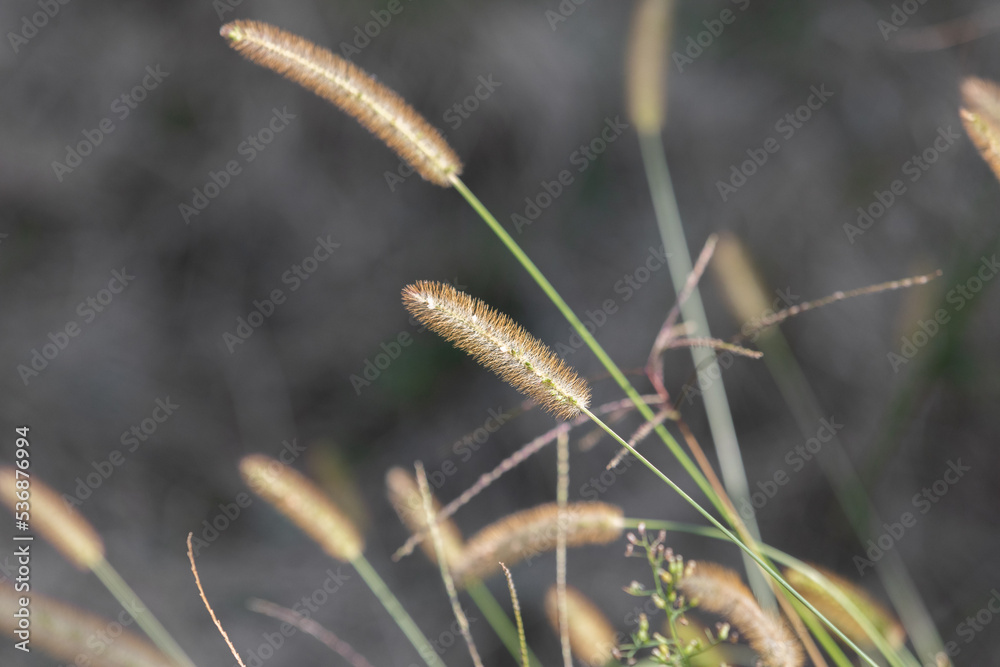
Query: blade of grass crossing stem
(395, 609)
(733, 538)
(720, 419)
(591, 342)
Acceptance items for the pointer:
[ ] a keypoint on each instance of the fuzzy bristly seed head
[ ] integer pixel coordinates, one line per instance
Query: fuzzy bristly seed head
(500, 344)
(61, 525)
(295, 496)
(719, 590)
(590, 634)
(535, 531)
(384, 113)
(59, 629)
(981, 118)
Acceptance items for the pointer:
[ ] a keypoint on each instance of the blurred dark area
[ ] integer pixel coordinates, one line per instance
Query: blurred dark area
(140, 300)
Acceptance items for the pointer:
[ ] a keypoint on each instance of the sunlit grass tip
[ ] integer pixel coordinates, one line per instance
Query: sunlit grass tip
(384, 113)
(404, 494)
(295, 496)
(61, 525)
(500, 344)
(591, 636)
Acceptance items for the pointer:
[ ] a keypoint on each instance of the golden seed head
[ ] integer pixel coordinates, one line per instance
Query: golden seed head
(646, 80)
(981, 118)
(742, 286)
(64, 527)
(534, 531)
(404, 494)
(384, 113)
(500, 344)
(880, 617)
(719, 590)
(295, 496)
(590, 634)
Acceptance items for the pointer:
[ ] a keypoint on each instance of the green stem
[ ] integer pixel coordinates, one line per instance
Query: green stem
(720, 418)
(733, 538)
(591, 342)
(395, 609)
(143, 617)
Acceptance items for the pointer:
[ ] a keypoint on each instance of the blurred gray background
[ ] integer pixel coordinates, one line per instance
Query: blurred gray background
(322, 176)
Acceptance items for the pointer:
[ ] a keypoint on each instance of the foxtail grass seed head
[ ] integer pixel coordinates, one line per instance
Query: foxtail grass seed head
(404, 494)
(719, 590)
(590, 634)
(384, 113)
(500, 344)
(742, 286)
(981, 118)
(881, 618)
(63, 527)
(534, 531)
(61, 630)
(646, 74)
(295, 496)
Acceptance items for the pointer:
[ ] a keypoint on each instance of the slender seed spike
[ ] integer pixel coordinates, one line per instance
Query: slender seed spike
(404, 494)
(61, 630)
(719, 590)
(534, 531)
(646, 71)
(384, 113)
(879, 616)
(63, 527)
(590, 634)
(295, 496)
(500, 344)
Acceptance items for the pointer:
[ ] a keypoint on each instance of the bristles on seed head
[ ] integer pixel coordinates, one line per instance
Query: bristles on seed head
(295, 496)
(719, 590)
(59, 630)
(981, 118)
(590, 634)
(880, 617)
(57, 522)
(500, 344)
(404, 494)
(534, 531)
(384, 113)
